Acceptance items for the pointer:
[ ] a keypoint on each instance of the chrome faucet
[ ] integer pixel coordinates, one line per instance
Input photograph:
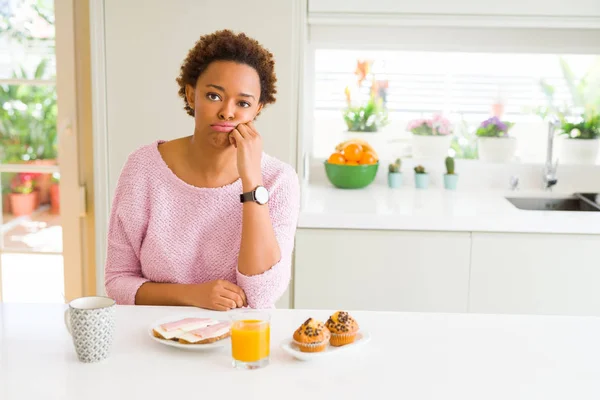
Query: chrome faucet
(514, 183)
(550, 167)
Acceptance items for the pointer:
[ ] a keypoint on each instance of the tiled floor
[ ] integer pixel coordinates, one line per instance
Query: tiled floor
(31, 277)
(39, 232)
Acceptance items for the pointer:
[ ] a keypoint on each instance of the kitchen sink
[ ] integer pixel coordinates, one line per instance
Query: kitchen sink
(572, 203)
(593, 197)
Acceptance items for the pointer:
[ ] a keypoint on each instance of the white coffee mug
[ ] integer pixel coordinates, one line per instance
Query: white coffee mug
(91, 323)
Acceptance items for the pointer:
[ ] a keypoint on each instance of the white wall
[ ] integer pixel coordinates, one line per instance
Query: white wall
(145, 42)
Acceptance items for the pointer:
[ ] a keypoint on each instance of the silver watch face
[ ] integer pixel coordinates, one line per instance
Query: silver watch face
(262, 195)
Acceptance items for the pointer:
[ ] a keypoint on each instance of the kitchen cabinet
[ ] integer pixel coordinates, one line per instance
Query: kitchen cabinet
(516, 273)
(535, 274)
(381, 270)
(512, 8)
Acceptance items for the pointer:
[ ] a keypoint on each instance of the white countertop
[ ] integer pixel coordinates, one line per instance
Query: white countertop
(410, 356)
(379, 207)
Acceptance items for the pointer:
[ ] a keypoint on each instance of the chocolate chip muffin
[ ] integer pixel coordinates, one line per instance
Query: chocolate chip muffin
(312, 336)
(343, 328)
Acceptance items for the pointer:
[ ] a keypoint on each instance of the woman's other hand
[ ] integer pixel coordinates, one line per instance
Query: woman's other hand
(219, 295)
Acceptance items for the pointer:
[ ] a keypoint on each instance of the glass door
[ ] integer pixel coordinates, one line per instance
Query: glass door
(40, 236)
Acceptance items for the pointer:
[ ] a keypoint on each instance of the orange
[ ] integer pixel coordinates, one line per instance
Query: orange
(336, 158)
(366, 157)
(373, 154)
(351, 163)
(352, 152)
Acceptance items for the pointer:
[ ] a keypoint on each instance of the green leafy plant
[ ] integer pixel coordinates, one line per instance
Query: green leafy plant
(494, 127)
(464, 141)
(449, 165)
(366, 118)
(584, 92)
(396, 166)
(28, 112)
(586, 126)
(28, 119)
(419, 169)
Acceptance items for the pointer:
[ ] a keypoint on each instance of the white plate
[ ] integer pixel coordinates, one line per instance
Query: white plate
(288, 345)
(172, 343)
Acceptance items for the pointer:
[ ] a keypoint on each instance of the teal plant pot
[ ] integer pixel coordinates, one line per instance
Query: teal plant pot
(394, 179)
(422, 181)
(450, 181)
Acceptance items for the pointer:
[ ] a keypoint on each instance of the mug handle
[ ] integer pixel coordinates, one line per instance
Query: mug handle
(68, 321)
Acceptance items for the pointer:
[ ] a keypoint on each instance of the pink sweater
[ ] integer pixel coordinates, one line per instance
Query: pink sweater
(162, 229)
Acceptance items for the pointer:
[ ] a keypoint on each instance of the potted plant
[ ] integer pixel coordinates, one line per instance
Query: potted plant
(55, 194)
(395, 174)
(581, 139)
(450, 178)
(421, 177)
(578, 121)
(430, 137)
(366, 110)
(23, 197)
(493, 142)
(368, 117)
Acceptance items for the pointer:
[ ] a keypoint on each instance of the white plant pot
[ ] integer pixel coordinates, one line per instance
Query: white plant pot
(497, 150)
(578, 151)
(430, 146)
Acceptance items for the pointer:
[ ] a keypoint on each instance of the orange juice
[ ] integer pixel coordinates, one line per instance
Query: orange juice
(250, 340)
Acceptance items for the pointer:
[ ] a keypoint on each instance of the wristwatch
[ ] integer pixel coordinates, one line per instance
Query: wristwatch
(259, 195)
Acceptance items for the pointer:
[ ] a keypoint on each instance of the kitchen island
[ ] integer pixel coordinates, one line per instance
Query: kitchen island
(410, 356)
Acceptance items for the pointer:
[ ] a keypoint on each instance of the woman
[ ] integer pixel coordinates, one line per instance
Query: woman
(207, 220)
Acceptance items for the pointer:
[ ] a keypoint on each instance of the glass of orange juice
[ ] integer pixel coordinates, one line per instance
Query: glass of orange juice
(250, 339)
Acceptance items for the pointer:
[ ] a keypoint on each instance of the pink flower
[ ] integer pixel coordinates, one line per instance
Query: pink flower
(415, 124)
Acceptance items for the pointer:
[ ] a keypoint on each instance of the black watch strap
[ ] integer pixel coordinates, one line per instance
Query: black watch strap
(248, 196)
(260, 195)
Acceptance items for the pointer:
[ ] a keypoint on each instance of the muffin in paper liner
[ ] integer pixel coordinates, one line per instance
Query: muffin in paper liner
(343, 328)
(312, 336)
(312, 347)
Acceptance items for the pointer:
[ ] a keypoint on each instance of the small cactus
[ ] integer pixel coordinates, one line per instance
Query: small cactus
(419, 169)
(395, 166)
(450, 165)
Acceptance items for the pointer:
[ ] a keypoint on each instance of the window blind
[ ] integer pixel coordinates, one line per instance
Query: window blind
(447, 82)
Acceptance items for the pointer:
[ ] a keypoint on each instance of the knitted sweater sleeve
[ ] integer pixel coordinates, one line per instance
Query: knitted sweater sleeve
(263, 290)
(127, 225)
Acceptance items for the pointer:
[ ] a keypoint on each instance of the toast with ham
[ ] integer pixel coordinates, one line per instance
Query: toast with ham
(196, 330)
(208, 334)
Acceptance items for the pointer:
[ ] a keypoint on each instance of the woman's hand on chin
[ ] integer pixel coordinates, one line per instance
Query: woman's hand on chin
(248, 143)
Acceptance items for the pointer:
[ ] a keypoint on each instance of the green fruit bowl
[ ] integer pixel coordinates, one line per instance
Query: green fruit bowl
(351, 176)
